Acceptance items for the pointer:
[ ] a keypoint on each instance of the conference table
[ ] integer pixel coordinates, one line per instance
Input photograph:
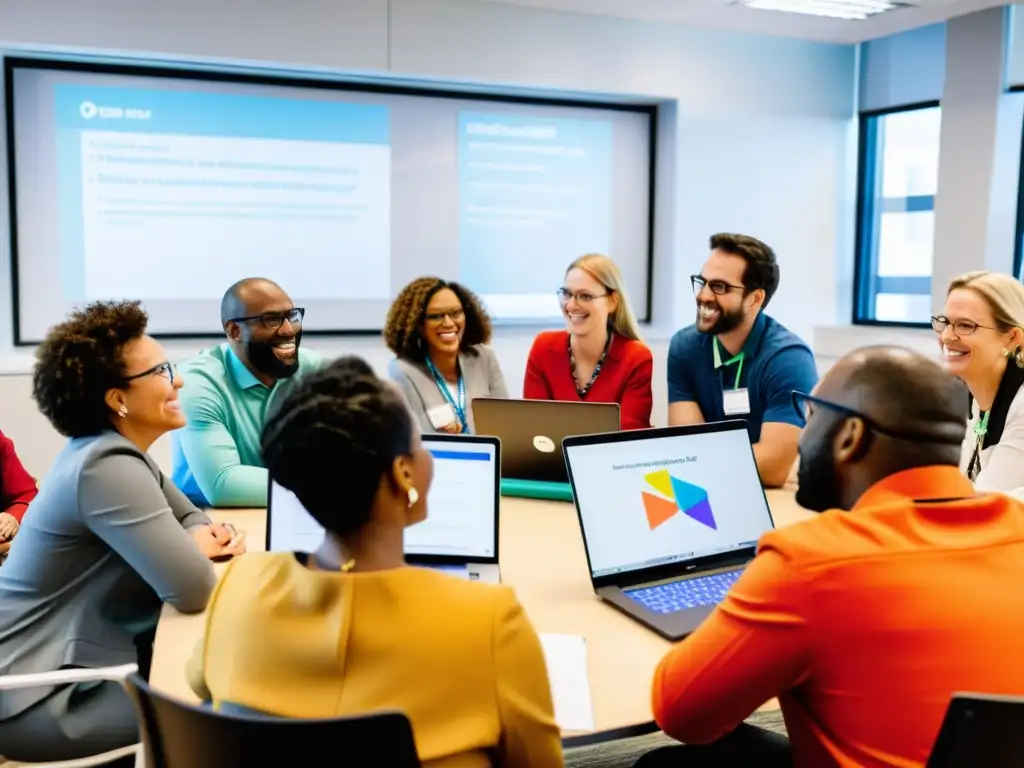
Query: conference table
(542, 558)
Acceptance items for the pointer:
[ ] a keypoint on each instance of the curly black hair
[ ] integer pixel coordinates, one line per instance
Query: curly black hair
(80, 360)
(403, 329)
(340, 418)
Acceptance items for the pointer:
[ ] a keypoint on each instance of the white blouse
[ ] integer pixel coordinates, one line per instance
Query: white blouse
(1002, 464)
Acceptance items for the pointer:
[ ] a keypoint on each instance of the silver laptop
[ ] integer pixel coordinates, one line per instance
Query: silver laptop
(531, 432)
(670, 518)
(460, 534)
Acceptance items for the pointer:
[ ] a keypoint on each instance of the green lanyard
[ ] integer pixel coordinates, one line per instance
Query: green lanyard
(737, 358)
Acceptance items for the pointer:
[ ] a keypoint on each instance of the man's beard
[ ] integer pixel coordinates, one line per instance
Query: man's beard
(262, 358)
(818, 481)
(727, 321)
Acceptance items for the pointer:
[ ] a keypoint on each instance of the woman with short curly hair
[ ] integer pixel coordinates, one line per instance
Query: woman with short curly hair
(438, 331)
(109, 538)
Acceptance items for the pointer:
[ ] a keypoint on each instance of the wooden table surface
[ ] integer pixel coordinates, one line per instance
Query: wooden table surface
(542, 557)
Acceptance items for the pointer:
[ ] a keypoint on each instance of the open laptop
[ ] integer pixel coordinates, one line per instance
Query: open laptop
(460, 533)
(531, 432)
(670, 517)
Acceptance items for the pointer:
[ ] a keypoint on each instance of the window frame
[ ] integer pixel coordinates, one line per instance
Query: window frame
(1018, 240)
(866, 282)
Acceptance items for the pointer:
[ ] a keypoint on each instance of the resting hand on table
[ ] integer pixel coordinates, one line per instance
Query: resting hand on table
(8, 526)
(452, 429)
(215, 541)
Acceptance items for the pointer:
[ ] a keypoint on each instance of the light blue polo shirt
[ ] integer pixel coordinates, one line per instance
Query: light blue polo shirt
(216, 457)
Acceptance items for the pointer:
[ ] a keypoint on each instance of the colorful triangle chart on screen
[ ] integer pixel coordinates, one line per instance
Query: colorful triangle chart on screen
(690, 499)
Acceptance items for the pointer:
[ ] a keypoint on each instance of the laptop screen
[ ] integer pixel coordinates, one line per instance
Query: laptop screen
(652, 502)
(461, 507)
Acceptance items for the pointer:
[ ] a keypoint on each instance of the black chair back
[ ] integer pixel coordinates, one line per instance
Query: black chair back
(180, 735)
(980, 732)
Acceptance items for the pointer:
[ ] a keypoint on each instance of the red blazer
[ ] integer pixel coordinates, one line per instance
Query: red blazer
(625, 377)
(17, 488)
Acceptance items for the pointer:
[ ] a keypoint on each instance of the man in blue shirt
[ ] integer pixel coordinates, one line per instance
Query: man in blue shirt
(229, 390)
(735, 362)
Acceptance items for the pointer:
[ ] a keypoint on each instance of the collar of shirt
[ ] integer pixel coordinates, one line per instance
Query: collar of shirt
(921, 484)
(749, 346)
(240, 376)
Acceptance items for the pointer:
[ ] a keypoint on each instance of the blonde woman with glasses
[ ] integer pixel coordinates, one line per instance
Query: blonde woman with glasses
(599, 357)
(980, 332)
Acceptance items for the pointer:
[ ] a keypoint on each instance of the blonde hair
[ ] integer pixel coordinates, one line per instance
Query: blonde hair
(607, 273)
(1004, 295)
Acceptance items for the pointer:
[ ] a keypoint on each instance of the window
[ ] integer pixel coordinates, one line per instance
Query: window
(898, 179)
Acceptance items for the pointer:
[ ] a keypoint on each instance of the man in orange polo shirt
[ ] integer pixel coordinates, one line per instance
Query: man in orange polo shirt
(862, 622)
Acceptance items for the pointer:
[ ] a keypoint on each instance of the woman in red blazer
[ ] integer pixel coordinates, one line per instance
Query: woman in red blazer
(600, 357)
(17, 489)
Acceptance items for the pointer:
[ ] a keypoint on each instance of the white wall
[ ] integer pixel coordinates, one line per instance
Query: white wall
(756, 137)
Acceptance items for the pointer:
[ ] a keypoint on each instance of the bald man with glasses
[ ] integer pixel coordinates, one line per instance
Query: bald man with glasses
(217, 460)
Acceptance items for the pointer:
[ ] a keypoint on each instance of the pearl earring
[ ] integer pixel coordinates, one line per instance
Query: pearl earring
(1006, 352)
(122, 412)
(414, 496)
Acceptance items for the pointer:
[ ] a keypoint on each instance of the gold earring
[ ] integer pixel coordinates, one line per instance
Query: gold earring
(1005, 352)
(346, 567)
(414, 496)
(122, 411)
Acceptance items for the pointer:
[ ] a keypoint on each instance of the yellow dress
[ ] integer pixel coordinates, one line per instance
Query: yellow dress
(460, 659)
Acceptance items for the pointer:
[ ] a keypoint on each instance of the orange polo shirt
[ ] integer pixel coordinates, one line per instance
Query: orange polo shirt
(863, 624)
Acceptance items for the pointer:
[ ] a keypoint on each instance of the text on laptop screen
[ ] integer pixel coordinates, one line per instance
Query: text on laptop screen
(653, 502)
(460, 507)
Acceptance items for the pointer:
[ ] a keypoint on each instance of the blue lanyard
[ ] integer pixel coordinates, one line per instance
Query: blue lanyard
(459, 405)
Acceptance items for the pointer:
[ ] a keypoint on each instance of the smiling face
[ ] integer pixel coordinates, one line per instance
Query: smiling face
(444, 323)
(586, 303)
(971, 342)
(722, 304)
(267, 335)
(150, 401)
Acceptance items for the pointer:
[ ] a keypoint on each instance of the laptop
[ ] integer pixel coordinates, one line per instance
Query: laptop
(460, 534)
(531, 432)
(670, 518)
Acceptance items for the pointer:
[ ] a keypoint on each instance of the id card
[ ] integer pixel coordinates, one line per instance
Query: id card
(736, 402)
(442, 416)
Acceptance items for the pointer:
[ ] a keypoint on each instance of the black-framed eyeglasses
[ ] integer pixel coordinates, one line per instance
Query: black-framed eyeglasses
(960, 327)
(804, 405)
(274, 320)
(582, 297)
(717, 287)
(437, 318)
(168, 370)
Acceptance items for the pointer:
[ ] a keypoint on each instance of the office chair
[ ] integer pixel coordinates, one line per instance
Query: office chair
(180, 735)
(68, 677)
(980, 731)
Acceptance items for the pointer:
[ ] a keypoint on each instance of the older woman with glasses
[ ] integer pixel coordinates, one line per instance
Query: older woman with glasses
(982, 341)
(599, 357)
(108, 540)
(439, 333)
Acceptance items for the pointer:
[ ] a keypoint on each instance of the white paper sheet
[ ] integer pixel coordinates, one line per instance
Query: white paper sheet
(566, 657)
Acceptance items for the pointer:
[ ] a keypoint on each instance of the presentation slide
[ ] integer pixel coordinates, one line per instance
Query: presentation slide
(195, 184)
(460, 508)
(654, 502)
(168, 189)
(530, 191)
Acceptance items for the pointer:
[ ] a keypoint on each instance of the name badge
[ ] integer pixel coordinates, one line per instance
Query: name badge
(736, 402)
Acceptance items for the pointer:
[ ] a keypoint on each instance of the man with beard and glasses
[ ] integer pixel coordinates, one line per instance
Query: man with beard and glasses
(863, 620)
(735, 362)
(230, 390)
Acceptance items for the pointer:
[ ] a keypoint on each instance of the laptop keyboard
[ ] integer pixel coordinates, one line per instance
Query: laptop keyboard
(688, 593)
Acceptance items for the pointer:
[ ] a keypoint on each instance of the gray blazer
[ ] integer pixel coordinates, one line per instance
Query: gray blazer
(481, 371)
(99, 549)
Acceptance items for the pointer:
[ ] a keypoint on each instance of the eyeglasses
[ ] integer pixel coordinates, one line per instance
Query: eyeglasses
(804, 404)
(168, 370)
(581, 297)
(274, 320)
(960, 327)
(717, 287)
(438, 317)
